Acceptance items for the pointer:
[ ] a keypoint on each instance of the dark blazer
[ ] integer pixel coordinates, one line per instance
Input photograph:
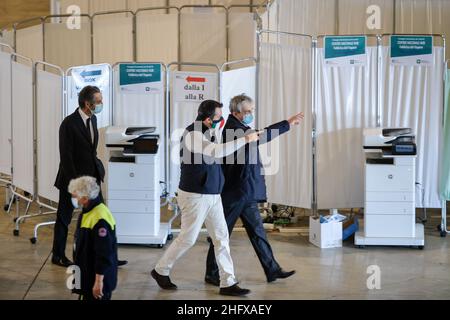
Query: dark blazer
(244, 179)
(78, 156)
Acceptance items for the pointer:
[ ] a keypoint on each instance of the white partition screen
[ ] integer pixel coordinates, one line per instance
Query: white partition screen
(242, 30)
(412, 97)
(68, 47)
(139, 100)
(29, 42)
(113, 38)
(346, 104)
(22, 127)
(49, 113)
(157, 36)
(203, 36)
(5, 111)
(285, 90)
(236, 82)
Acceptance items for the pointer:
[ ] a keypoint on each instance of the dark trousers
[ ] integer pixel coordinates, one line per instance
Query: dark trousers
(251, 218)
(63, 218)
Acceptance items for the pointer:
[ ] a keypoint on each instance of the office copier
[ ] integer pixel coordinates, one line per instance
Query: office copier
(389, 208)
(133, 190)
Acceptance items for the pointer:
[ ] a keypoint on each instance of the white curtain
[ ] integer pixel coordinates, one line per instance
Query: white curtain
(182, 114)
(242, 35)
(135, 109)
(22, 127)
(236, 82)
(346, 104)
(203, 37)
(49, 112)
(157, 36)
(284, 90)
(65, 47)
(29, 42)
(412, 97)
(5, 111)
(113, 40)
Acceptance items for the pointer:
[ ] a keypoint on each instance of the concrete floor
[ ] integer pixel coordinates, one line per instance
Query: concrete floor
(27, 273)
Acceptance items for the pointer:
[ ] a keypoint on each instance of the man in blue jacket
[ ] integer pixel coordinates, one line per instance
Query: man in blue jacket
(245, 187)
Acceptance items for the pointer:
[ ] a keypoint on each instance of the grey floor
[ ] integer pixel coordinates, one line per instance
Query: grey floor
(27, 273)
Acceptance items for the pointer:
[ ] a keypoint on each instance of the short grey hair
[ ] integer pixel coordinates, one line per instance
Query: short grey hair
(85, 187)
(237, 102)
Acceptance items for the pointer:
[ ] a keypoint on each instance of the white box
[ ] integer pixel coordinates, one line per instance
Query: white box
(325, 235)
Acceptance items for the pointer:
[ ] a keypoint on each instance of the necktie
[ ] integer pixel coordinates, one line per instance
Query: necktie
(88, 124)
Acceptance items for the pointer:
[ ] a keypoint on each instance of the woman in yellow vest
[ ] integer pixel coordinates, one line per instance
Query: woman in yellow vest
(96, 243)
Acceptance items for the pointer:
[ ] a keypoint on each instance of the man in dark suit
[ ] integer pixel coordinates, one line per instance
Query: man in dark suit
(78, 141)
(245, 186)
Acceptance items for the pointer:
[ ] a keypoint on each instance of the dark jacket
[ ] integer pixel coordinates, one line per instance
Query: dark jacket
(245, 179)
(78, 156)
(96, 248)
(204, 177)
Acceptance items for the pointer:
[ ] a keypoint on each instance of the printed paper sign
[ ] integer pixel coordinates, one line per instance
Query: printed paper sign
(345, 50)
(195, 87)
(412, 50)
(93, 75)
(141, 78)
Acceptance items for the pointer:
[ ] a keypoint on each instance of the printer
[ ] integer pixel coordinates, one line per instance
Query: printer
(133, 140)
(133, 185)
(389, 189)
(393, 141)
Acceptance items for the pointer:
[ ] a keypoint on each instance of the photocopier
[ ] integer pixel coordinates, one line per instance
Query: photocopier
(389, 204)
(133, 190)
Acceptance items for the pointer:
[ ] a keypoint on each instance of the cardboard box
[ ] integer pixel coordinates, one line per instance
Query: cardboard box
(325, 235)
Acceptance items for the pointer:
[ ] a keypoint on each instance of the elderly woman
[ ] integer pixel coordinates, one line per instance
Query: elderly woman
(96, 243)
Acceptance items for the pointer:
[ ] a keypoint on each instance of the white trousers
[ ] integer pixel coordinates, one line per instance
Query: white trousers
(197, 209)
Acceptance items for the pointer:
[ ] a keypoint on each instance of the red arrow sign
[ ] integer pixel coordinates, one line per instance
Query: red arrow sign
(193, 79)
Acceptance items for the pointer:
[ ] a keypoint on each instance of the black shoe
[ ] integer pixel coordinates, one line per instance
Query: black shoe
(62, 262)
(121, 263)
(280, 274)
(212, 281)
(234, 290)
(163, 281)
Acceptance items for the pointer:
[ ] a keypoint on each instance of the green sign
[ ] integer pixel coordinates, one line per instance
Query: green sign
(139, 73)
(344, 46)
(407, 46)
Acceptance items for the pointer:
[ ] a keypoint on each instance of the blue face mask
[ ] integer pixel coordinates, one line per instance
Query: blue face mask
(248, 119)
(75, 203)
(98, 108)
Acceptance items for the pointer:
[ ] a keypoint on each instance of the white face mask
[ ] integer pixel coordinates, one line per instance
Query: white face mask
(75, 203)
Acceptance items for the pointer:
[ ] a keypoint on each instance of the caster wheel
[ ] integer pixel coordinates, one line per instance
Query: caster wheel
(170, 237)
(160, 246)
(443, 234)
(439, 228)
(16, 233)
(420, 247)
(33, 240)
(6, 207)
(15, 219)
